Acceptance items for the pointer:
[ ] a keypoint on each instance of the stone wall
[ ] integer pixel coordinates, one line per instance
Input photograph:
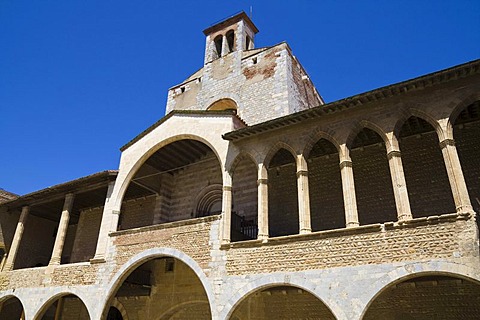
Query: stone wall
(421, 239)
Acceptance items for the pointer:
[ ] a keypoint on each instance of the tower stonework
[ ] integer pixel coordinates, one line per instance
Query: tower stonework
(252, 199)
(260, 84)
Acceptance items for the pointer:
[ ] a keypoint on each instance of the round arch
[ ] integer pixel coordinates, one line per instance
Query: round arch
(116, 304)
(415, 270)
(11, 307)
(223, 105)
(278, 281)
(147, 154)
(146, 256)
(46, 305)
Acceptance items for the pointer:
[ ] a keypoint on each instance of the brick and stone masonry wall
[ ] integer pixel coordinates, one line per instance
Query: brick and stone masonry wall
(421, 240)
(428, 187)
(86, 235)
(244, 189)
(37, 242)
(283, 200)
(188, 184)
(373, 185)
(326, 195)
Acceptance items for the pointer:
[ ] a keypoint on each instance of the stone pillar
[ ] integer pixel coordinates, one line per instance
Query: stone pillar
(109, 223)
(58, 310)
(399, 185)
(62, 230)
(17, 238)
(348, 187)
(227, 213)
(455, 176)
(225, 50)
(262, 184)
(303, 196)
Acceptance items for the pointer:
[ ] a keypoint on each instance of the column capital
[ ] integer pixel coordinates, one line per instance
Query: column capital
(346, 163)
(447, 142)
(302, 173)
(394, 154)
(262, 181)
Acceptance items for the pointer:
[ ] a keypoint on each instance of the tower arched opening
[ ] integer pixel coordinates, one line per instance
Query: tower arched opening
(325, 186)
(425, 172)
(372, 178)
(427, 297)
(218, 42)
(283, 216)
(230, 35)
(244, 201)
(161, 288)
(466, 132)
(281, 302)
(180, 181)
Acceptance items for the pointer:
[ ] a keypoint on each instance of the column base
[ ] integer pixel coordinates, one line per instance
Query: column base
(305, 231)
(95, 260)
(353, 224)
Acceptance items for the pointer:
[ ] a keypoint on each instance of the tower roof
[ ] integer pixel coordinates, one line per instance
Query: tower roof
(231, 20)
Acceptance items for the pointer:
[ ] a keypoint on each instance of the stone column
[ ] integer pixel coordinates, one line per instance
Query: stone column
(348, 187)
(399, 185)
(17, 238)
(225, 50)
(455, 176)
(303, 196)
(227, 213)
(62, 230)
(58, 310)
(262, 184)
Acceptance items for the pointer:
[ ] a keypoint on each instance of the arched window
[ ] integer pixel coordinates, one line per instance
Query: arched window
(231, 40)
(218, 46)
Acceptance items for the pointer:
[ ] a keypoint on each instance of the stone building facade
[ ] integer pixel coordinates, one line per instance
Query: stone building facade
(253, 199)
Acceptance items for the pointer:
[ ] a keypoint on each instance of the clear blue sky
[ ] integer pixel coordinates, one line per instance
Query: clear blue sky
(78, 79)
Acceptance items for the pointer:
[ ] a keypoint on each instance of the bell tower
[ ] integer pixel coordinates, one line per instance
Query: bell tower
(233, 34)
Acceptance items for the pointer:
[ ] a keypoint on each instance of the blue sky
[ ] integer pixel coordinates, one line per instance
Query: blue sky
(79, 79)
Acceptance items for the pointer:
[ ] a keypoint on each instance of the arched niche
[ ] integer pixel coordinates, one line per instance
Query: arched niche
(181, 180)
(222, 105)
(161, 288)
(281, 302)
(429, 296)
